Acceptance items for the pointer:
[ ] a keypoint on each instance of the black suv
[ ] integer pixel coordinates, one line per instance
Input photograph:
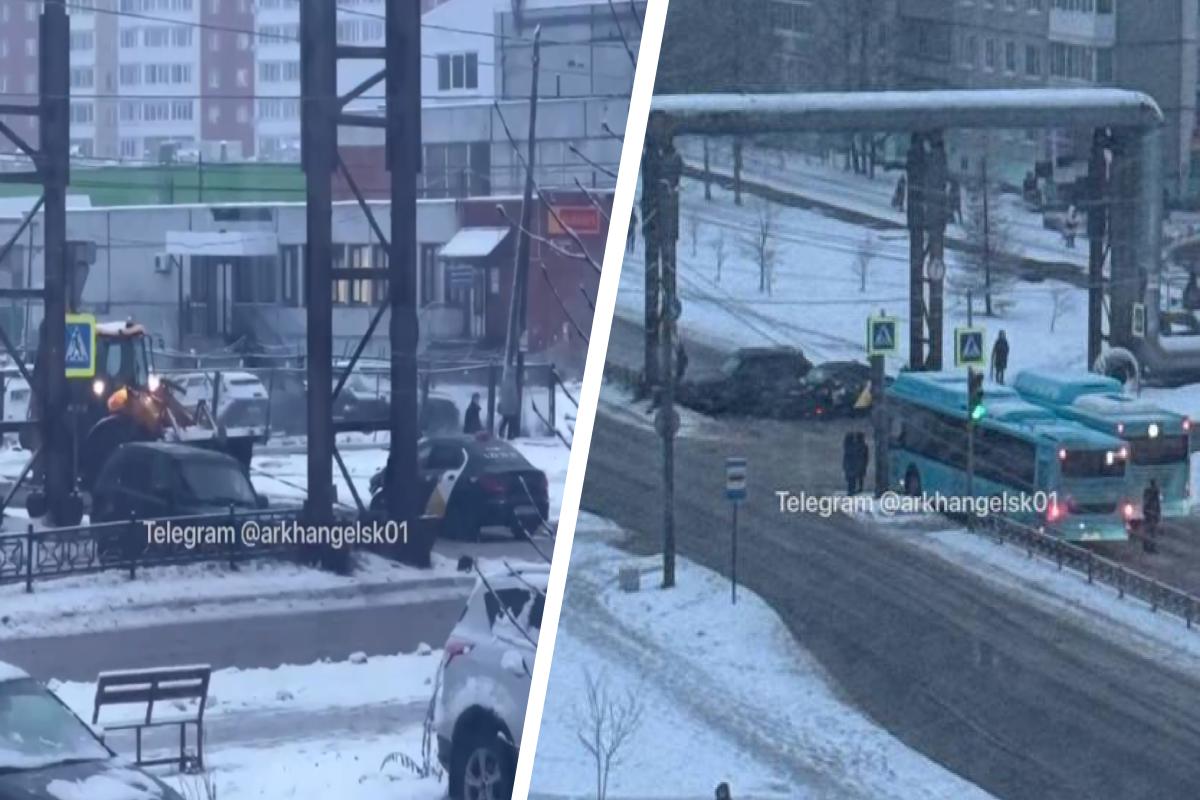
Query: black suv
(148, 480)
(754, 381)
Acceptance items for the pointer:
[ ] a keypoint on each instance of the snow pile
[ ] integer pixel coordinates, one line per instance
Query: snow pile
(159, 595)
(726, 694)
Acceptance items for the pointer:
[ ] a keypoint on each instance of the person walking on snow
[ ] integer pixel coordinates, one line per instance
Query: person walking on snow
(1000, 358)
(899, 194)
(861, 460)
(1151, 515)
(849, 467)
(472, 423)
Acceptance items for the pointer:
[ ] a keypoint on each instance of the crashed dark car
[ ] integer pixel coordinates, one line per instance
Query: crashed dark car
(753, 382)
(831, 389)
(48, 753)
(473, 482)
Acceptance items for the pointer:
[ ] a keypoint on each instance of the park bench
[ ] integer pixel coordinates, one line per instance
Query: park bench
(151, 688)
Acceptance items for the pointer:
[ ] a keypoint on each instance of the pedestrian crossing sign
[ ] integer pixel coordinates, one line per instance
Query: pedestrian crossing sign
(882, 335)
(80, 346)
(968, 347)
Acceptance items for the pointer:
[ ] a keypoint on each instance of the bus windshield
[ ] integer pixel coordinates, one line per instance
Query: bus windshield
(1158, 451)
(1092, 464)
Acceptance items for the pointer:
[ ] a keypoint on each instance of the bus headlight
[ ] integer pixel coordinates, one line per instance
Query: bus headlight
(98, 387)
(1127, 511)
(1153, 430)
(154, 382)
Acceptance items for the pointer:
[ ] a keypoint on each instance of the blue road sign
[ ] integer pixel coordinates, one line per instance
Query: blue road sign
(735, 479)
(968, 347)
(882, 335)
(80, 348)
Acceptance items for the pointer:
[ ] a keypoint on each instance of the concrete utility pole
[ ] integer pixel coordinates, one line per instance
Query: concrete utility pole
(915, 211)
(1097, 222)
(510, 390)
(936, 208)
(668, 168)
(651, 164)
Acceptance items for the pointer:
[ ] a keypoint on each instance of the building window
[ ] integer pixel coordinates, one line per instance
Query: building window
(214, 79)
(292, 267)
(156, 37)
(82, 78)
(181, 110)
(214, 114)
(989, 53)
(129, 37)
(80, 40)
(129, 148)
(31, 42)
(970, 52)
(458, 71)
(243, 77)
(82, 113)
(242, 115)
(1033, 60)
(181, 36)
(1010, 56)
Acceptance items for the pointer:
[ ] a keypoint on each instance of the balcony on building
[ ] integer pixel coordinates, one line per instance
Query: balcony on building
(1091, 22)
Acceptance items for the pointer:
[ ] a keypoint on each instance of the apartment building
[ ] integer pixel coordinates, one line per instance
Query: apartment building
(1001, 44)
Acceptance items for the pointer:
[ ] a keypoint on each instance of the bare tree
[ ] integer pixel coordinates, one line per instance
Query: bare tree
(605, 726)
(760, 245)
(718, 248)
(1062, 300)
(983, 268)
(868, 248)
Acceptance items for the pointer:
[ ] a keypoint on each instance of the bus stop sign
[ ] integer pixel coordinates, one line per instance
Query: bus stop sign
(81, 346)
(882, 336)
(968, 347)
(735, 479)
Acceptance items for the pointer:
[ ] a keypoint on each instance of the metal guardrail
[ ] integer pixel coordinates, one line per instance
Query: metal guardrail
(46, 553)
(1095, 568)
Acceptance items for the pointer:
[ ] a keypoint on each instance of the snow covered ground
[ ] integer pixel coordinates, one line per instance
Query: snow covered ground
(756, 708)
(306, 732)
(817, 302)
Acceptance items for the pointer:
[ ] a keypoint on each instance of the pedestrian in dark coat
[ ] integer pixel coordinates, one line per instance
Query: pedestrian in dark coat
(849, 467)
(1151, 515)
(956, 201)
(681, 361)
(862, 459)
(900, 193)
(472, 423)
(631, 237)
(999, 358)
(1071, 227)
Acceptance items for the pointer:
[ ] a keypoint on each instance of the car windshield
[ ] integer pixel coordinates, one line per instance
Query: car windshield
(217, 482)
(37, 731)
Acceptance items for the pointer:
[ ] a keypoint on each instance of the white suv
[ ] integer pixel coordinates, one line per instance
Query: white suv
(484, 682)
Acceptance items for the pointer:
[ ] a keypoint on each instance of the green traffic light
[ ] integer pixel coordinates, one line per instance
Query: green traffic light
(978, 412)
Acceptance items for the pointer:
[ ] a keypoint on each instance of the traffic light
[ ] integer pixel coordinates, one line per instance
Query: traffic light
(975, 407)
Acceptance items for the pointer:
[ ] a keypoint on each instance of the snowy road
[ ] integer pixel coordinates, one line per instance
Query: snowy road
(1017, 700)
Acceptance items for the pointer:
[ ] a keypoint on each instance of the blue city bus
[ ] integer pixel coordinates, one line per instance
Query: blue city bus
(1157, 440)
(1020, 449)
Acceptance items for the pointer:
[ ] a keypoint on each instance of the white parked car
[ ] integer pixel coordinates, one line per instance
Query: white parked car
(242, 400)
(484, 682)
(16, 399)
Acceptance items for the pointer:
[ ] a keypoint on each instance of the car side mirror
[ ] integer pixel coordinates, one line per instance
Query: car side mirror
(263, 502)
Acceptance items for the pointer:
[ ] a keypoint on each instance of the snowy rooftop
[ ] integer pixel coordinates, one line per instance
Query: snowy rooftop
(913, 111)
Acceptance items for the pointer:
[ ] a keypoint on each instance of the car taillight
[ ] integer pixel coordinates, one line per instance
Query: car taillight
(492, 484)
(1127, 511)
(455, 648)
(1055, 512)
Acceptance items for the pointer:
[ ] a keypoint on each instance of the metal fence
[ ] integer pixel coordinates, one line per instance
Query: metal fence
(1095, 568)
(46, 553)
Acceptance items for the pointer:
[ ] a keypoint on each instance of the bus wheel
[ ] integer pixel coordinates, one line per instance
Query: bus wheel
(912, 482)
